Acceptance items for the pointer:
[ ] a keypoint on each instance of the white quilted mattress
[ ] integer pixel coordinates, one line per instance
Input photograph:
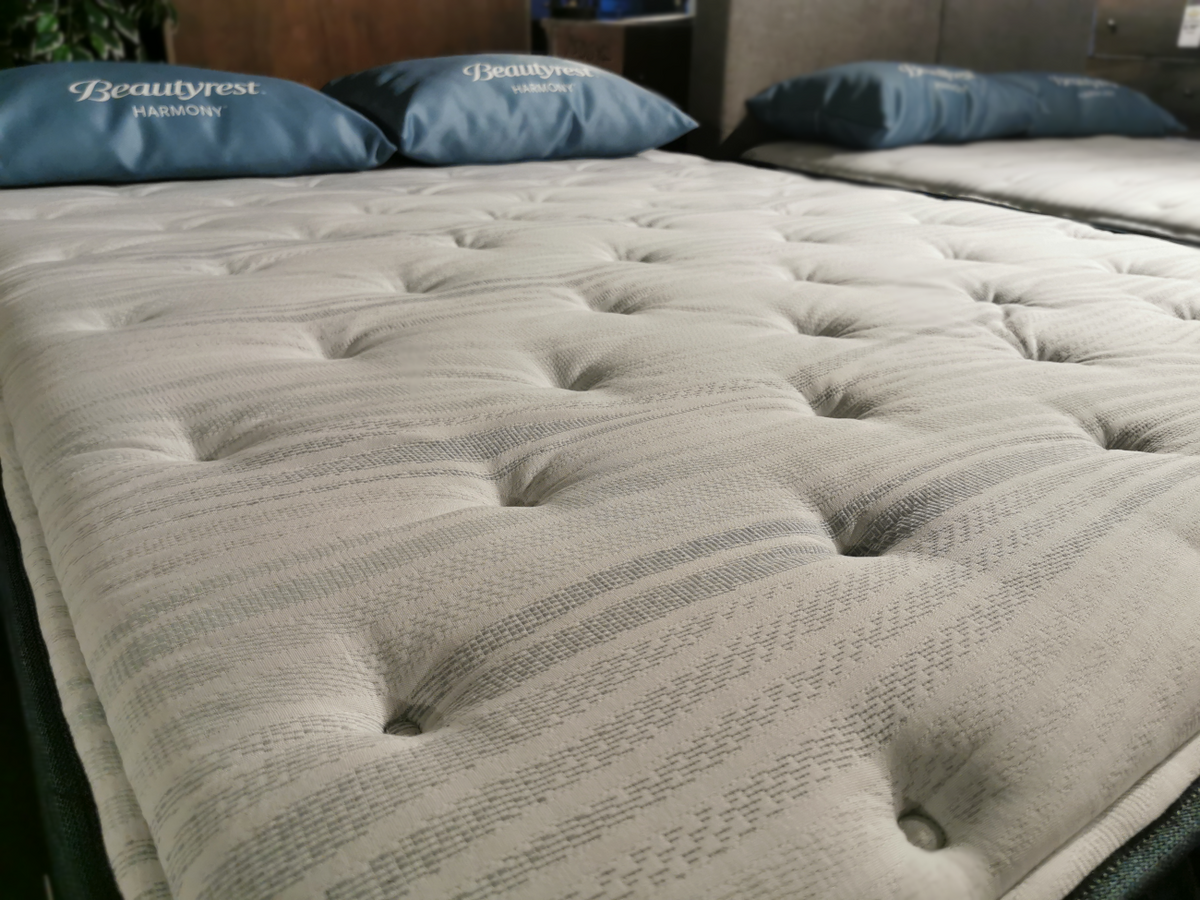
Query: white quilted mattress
(647, 528)
(1143, 185)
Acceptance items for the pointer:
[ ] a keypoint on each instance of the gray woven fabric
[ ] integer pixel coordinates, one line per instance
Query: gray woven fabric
(635, 528)
(1144, 185)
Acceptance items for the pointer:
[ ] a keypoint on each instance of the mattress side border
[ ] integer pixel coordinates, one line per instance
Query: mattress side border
(135, 870)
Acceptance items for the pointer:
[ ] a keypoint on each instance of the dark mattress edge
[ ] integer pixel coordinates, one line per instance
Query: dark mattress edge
(79, 868)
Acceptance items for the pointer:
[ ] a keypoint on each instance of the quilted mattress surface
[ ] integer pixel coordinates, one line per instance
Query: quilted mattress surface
(605, 529)
(1144, 185)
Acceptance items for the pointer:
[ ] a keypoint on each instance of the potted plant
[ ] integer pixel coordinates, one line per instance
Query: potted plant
(65, 30)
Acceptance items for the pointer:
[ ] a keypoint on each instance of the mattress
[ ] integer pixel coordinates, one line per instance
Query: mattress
(1142, 185)
(632, 528)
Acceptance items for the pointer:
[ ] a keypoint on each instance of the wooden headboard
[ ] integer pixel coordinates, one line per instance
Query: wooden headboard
(312, 41)
(743, 46)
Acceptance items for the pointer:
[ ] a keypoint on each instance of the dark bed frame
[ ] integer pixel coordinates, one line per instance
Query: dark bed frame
(78, 863)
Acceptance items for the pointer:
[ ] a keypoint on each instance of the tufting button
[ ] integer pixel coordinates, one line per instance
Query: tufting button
(402, 726)
(586, 380)
(519, 502)
(922, 831)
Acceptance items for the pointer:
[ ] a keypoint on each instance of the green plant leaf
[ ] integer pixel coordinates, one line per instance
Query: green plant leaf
(62, 54)
(107, 43)
(82, 53)
(126, 25)
(96, 17)
(46, 22)
(47, 42)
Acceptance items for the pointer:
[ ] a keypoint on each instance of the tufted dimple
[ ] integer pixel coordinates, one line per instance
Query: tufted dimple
(830, 328)
(922, 831)
(587, 380)
(518, 501)
(334, 351)
(1056, 355)
(838, 404)
(983, 293)
(622, 306)
(1111, 433)
(643, 256)
(859, 551)
(1130, 440)
(403, 724)
(472, 242)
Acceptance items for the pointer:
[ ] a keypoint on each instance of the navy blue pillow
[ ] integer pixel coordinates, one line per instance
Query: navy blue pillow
(1076, 106)
(872, 105)
(497, 108)
(113, 121)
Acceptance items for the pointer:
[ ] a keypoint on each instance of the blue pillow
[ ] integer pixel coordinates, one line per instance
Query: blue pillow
(872, 105)
(1076, 106)
(114, 121)
(498, 108)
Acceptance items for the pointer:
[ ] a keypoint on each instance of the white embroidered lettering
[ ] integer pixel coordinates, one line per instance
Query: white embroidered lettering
(139, 111)
(486, 72)
(1079, 81)
(915, 71)
(535, 88)
(86, 90)
(101, 91)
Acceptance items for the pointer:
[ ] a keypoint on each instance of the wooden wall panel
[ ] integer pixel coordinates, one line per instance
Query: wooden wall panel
(312, 41)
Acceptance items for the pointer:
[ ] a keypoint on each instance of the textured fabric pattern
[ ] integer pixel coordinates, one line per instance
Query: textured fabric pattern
(1148, 185)
(131, 851)
(637, 528)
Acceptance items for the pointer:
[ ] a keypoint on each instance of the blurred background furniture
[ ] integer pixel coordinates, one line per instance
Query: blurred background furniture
(1136, 42)
(653, 51)
(312, 41)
